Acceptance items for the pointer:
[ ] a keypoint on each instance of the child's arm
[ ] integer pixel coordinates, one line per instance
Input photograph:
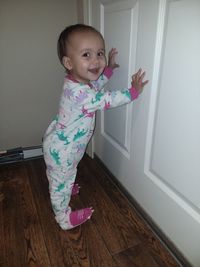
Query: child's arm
(90, 100)
(108, 71)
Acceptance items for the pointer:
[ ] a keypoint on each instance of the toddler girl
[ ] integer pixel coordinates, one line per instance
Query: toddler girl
(81, 51)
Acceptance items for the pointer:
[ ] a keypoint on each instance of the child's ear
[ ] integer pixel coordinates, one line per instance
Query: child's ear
(67, 63)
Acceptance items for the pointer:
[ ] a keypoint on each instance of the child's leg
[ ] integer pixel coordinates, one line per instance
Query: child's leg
(61, 161)
(60, 193)
(75, 189)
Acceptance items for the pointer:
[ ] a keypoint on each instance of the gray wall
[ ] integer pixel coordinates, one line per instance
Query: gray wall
(31, 76)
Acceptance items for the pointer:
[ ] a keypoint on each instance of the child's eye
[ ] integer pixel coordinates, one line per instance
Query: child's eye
(101, 54)
(87, 54)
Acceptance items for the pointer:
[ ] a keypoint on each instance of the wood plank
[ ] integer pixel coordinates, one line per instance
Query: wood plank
(81, 246)
(116, 231)
(116, 236)
(51, 230)
(37, 253)
(89, 247)
(130, 214)
(137, 256)
(2, 244)
(23, 239)
(14, 244)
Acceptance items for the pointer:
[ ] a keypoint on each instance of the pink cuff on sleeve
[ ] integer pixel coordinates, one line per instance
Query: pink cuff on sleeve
(108, 72)
(134, 93)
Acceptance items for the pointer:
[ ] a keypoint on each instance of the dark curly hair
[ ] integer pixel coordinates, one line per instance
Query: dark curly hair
(65, 36)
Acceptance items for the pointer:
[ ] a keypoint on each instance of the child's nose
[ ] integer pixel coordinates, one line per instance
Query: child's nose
(95, 60)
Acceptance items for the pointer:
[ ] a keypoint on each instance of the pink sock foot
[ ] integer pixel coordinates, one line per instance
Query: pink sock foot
(75, 189)
(78, 217)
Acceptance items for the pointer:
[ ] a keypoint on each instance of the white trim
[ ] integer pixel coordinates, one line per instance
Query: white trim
(87, 19)
(120, 6)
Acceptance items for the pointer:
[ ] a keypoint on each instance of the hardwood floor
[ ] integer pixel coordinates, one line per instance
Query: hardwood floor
(114, 237)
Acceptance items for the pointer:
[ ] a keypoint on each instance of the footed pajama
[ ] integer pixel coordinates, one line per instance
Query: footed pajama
(67, 136)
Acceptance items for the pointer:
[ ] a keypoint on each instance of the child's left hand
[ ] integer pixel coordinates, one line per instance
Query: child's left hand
(111, 58)
(137, 81)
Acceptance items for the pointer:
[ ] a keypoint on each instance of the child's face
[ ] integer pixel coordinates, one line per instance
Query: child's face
(85, 58)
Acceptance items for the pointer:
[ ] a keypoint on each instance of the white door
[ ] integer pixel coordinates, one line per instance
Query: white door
(152, 146)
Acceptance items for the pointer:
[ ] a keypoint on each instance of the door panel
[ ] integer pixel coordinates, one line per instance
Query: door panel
(152, 146)
(116, 19)
(177, 109)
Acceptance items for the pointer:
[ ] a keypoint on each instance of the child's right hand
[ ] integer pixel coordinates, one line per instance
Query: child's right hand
(137, 81)
(111, 58)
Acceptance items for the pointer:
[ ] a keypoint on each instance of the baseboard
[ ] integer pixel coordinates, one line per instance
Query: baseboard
(32, 152)
(20, 154)
(147, 219)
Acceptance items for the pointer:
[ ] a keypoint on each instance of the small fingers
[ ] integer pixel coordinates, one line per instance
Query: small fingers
(137, 80)
(144, 83)
(139, 76)
(112, 52)
(112, 57)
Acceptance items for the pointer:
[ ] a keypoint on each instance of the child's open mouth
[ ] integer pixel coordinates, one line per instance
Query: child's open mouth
(94, 71)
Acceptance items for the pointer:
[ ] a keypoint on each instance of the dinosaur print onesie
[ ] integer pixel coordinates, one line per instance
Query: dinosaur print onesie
(67, 136)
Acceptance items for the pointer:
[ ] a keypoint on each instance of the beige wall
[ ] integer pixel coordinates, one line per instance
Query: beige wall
(30, 74)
